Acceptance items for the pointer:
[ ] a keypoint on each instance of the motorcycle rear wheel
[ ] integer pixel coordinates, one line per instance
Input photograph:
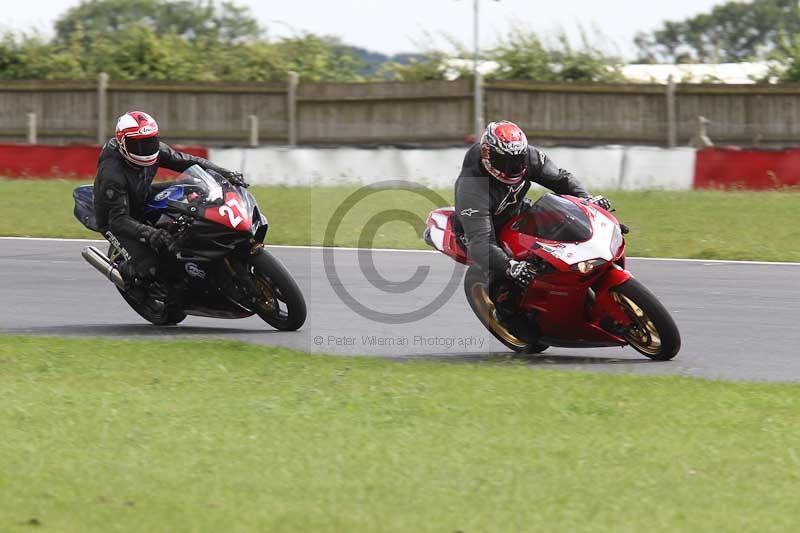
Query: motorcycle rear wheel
(280, 302)
(653, 332)
(477, 292)
(171, 315)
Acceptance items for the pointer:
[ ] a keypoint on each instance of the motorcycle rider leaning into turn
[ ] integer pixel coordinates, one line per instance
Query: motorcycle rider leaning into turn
(124, 182)
(495, 177)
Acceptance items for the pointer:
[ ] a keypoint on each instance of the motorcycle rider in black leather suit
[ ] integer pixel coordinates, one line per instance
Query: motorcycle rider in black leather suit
(124, 182)
(496, 175)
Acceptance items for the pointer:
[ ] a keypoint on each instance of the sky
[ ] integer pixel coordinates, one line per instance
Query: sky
(393, 26)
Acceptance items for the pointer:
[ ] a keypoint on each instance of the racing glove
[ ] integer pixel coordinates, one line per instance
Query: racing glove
(236, 178)
(157, 239)
(601, 201)
(521, 272)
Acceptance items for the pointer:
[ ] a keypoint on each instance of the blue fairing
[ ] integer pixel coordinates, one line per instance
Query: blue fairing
(159, 202)
(84, 206)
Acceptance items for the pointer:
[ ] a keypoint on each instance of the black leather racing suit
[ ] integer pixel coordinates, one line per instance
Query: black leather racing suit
(121, 190)
(484, 204)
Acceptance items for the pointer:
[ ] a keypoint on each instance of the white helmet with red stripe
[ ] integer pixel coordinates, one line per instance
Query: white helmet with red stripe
(504, 151)
(137, 138)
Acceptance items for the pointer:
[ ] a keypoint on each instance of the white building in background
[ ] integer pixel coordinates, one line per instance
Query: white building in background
(734, 73)
(701, 72)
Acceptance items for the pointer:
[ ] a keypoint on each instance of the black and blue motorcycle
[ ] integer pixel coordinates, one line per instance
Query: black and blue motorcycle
(218, 266)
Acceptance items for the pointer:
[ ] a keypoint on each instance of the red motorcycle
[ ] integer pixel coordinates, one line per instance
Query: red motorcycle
(581, 295)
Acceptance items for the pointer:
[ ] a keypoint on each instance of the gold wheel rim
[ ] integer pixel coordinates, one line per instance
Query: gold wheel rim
(267, 302)
(486, 310)
(643, 334)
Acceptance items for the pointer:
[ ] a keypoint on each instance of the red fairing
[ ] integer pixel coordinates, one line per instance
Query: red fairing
(604, 302)
(231, 214)
(523, 246)
(440, 226)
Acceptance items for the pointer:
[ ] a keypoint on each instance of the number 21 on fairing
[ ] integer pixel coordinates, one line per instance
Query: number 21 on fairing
(225, 210)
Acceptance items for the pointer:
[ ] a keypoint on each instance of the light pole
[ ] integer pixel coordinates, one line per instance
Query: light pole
(477, 88)
(477, 79)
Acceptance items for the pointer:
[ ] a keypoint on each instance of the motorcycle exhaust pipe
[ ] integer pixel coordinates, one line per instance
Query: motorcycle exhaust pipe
(103, 264)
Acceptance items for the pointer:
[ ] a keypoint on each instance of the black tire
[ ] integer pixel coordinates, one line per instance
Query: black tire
(277, 286)
(171, 315)
(476, 291)
(654, 332)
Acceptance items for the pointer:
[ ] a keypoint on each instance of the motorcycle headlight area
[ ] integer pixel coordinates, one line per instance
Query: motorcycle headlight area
(616, 240)
(584, 267)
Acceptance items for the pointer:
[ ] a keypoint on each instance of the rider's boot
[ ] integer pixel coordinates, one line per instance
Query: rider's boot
(520, 324)
(157, 297)
(151, 294)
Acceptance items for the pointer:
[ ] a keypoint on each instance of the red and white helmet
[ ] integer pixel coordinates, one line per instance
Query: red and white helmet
(137, 138)
(504, 151)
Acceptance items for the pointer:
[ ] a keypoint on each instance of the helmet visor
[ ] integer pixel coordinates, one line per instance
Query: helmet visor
(142, 147)
(512, 165)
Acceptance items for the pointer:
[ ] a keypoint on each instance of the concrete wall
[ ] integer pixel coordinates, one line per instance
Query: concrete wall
(608, 167)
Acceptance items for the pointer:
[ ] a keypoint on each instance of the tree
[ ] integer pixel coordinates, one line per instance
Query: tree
(191, 20)
(527, 57)
(32, 57)
(374, 63)
(524, 57)
(731, 32)
(785, 65)
(432, 62)
(171, 40)
(319, 58)
(432, 65)
(140, 54)
(193, 40)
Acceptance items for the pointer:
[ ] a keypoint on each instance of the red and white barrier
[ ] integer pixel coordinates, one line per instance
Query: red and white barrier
(65, 162)
(747, 169)
(40, 161)
(600, 168)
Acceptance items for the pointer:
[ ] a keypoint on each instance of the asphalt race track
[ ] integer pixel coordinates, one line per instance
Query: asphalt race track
(739, 321)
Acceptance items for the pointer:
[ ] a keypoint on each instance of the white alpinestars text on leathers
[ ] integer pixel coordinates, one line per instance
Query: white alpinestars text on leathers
(484, 203)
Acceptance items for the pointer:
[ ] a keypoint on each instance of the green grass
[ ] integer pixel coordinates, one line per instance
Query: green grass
(102, 435)
(693, 224)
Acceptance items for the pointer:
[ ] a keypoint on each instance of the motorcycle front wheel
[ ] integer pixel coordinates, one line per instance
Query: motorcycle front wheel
(653, 332)
(477, 292)
(279, 301)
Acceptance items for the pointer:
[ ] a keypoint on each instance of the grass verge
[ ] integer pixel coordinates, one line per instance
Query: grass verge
(690, 224)
(102, 435)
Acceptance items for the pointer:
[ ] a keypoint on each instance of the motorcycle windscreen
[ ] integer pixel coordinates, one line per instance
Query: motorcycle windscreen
(556, 219)
(198, 181)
